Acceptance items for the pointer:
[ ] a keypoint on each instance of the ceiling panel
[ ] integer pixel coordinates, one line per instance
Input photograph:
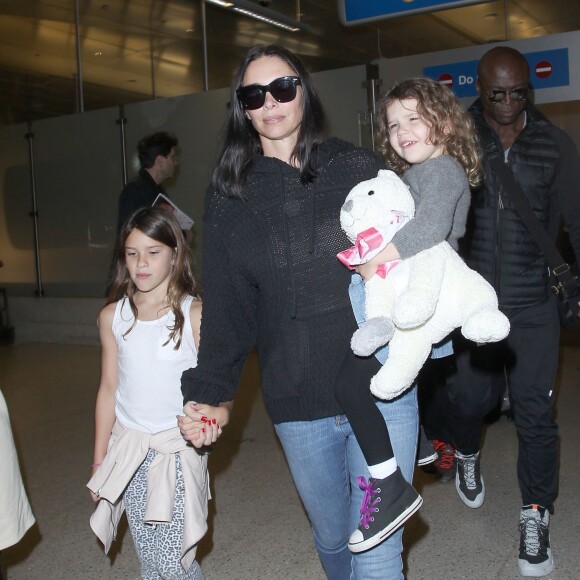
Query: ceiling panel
(137, 49)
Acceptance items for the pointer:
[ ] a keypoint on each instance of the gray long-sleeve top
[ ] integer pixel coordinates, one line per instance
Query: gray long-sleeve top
(440, 189)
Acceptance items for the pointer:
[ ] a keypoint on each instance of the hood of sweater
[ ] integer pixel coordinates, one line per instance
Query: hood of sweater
(322, 158)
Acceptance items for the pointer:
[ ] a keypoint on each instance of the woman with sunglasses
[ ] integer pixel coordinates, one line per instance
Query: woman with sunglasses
(272, 280)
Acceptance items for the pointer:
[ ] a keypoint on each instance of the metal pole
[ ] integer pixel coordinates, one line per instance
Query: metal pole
(204, 46)
(122, 121)
(34, 213)
(80, 96)
(152, 53)
(373, 84)
(153, 72)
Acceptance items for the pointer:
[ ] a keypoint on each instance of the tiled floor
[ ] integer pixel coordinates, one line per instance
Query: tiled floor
(257, 527)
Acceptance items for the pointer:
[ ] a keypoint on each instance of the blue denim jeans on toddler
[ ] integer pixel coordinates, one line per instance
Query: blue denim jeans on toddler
(325, 461)
(356, 292)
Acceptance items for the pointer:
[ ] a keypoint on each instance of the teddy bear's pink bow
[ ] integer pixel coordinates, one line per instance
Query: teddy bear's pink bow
(384, 269)
(366, 245)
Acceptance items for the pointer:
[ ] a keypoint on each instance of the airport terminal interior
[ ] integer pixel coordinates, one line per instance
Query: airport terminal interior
(74, 75)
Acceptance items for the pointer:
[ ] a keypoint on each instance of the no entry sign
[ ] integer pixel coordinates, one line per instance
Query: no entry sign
(543, 69)
(447, 80)
(548, 68)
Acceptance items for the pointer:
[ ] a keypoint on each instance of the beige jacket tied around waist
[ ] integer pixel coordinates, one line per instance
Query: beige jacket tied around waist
(126, 452)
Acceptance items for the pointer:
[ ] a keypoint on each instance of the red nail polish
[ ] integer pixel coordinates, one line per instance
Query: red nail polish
(213, 421)
(204, 419)
(203, 430)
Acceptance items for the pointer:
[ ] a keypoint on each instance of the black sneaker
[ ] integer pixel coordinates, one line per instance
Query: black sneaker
(426, 453)
(535, 554)
(468, 480)
(445, 463)
(387, 504)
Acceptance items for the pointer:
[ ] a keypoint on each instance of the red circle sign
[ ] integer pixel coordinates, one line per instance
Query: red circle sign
(446, 79)
(543, 69)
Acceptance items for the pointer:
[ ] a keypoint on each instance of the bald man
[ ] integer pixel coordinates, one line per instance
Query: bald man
(544, 162)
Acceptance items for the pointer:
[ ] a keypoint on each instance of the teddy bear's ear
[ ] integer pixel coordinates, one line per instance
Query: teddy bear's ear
(387, 174)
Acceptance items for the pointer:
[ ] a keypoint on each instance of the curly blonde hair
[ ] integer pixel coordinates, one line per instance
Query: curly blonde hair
(449, 124)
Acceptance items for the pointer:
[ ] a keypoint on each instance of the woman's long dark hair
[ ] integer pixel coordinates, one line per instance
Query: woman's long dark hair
(160, 225)
(241, 140)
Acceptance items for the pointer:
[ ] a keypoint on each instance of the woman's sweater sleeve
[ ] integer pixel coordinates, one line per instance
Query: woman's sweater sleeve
(228, 321)
(436, 186)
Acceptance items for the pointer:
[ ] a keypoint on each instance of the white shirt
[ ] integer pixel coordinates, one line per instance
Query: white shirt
(149, 378)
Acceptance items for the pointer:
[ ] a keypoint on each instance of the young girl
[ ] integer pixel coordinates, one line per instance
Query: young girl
(429, 140)
(149, 333)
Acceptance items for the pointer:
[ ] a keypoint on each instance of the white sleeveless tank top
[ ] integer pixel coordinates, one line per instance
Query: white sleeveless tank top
(148, 396)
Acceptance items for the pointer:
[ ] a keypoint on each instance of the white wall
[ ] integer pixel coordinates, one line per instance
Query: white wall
(78, 175)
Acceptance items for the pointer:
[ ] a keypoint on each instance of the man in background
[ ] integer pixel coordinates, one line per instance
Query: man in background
(158, 161)
(544, 162)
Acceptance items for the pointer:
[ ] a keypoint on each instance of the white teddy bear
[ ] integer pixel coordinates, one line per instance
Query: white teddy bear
(415, 303)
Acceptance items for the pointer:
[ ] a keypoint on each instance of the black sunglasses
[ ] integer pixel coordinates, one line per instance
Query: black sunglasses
(282, 89)
(497, 95)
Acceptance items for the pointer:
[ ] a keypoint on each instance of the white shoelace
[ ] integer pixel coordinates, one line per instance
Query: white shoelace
(532, 526)
(468, 470)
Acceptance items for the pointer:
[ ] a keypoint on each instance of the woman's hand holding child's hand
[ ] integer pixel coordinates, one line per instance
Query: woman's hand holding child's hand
(202, 424)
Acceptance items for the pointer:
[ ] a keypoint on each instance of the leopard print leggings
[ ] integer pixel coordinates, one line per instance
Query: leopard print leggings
(158, 546)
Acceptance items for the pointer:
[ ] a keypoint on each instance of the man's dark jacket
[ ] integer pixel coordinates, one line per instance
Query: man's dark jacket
(545, 163)
(141, 192)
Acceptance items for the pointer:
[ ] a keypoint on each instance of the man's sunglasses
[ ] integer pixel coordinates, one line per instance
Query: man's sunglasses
(282, 89)
(497, 95)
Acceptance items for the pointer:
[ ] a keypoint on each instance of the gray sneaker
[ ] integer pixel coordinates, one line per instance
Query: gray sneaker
(387, 504)
(535, 554)
(468, 480)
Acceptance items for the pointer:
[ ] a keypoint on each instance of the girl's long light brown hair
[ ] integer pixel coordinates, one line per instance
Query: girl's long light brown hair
(160, 225)
(449, 124)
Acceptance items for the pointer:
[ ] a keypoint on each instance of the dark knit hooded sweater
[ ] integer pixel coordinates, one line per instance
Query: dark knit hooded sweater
(272, 280)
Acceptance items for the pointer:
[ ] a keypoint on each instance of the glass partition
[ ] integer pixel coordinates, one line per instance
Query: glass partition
(78, 175)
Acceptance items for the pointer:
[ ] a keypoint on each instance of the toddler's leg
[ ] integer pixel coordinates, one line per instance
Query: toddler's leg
(353, 394)
(384, 561)
(389, 500)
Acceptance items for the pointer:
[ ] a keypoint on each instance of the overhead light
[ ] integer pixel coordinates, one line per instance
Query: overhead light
(220, 3)
(264, 19)
(262, 14)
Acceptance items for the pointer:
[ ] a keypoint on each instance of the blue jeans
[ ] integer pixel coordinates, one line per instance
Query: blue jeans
(325, 461)
(356, 292)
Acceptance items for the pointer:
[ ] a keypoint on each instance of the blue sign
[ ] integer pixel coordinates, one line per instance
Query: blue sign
(360, 11)
(460, 77)
(548, 69)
